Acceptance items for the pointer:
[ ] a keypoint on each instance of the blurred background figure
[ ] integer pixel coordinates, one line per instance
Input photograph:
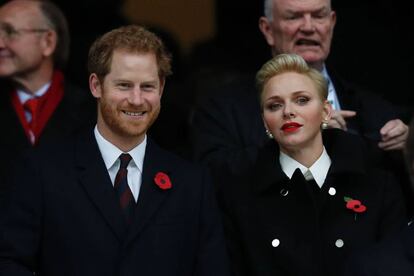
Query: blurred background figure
(38, 104)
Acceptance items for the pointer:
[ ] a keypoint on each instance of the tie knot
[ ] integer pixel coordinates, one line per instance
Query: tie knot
(124, 158)
(31, 105)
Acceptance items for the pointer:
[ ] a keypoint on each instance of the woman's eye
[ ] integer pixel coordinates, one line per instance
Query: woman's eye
(302, 100)
(274, 106)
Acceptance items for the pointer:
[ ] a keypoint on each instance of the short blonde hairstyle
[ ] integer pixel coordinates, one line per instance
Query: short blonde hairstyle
(290, 63)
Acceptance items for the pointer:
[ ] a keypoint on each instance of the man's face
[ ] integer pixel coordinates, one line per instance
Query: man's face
(23, 42)
(128, 98)
(303, 27)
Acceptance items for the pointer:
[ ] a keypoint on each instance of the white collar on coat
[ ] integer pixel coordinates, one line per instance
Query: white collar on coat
(319, 169)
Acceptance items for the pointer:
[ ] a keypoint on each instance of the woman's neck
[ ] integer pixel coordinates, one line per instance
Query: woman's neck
(308, 155)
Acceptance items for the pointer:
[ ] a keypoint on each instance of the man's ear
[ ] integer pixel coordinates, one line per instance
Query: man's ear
(49, 43)
(95, 86)
(266, 29)
(162, 85)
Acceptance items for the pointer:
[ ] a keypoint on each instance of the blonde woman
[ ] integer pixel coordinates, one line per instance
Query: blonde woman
(312, 198)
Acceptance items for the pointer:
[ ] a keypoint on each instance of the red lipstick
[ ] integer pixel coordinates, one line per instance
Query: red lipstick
(291, 127)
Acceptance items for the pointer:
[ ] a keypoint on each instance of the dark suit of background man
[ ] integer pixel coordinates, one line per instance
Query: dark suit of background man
(396, 255)
(227, 126)
(34, 46)
(84, 207)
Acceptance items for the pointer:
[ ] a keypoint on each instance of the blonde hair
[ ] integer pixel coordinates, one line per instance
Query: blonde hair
(290, 63)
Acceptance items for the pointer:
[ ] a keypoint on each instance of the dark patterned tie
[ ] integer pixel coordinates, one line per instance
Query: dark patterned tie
(126, 199)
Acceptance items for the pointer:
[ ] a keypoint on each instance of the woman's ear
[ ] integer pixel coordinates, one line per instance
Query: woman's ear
(327, 111)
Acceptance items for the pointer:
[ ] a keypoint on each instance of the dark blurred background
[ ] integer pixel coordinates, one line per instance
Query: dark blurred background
(371, 41)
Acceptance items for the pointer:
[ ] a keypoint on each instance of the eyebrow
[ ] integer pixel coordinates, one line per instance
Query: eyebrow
(322, 9)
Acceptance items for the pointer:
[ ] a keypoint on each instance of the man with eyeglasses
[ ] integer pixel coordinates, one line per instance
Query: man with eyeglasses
(37, 104)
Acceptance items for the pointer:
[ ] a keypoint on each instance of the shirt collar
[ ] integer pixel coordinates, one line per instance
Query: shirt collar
(24, 96)
(319, 168)
(110, 153)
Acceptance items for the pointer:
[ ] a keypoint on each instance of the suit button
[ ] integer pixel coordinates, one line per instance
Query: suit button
(275, 243)
(332, 191)
(339, 243)
(284, 192)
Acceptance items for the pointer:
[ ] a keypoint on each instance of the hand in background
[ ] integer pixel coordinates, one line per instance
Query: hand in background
(394, 135)
(338, 119)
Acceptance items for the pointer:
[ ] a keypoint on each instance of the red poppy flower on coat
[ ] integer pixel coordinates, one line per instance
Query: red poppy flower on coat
(355, 205)
(162, 180)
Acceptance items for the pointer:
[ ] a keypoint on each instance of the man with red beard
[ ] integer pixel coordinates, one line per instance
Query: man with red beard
(110, 201)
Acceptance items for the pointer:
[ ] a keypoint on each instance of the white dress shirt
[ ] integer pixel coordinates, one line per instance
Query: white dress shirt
(25, 96)
(332, 96)
(110, 154)
(319, 168)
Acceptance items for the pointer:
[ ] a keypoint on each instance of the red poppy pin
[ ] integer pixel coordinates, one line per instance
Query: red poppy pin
(163, 181)
(355, 205)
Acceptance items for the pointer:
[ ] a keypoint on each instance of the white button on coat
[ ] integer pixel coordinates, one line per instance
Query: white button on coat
(339, 243)
(332, 191)
(275, 243)
(284, 192)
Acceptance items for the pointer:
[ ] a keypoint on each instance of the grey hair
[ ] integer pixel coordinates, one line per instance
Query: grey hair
(56, 20)
(268, 9)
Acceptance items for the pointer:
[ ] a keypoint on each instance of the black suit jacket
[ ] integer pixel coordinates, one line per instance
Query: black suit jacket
(76, 110)
(63, 218)
(263, 204)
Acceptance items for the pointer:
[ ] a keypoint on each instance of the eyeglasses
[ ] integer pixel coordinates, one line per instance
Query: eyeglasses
(9, 33)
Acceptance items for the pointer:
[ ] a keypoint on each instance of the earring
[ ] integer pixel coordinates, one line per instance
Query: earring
(269, 134)
(324, 125)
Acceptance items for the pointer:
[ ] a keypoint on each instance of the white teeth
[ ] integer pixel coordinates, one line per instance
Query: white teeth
(134, 113)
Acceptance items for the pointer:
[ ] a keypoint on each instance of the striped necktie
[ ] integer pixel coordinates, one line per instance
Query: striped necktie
(126, 199)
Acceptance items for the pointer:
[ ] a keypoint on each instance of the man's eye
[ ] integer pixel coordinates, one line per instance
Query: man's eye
(124, 86)
(9, 30)
(148, 87)
(292, 17)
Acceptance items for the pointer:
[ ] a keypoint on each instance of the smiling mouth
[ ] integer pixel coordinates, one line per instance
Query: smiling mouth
(134, 114)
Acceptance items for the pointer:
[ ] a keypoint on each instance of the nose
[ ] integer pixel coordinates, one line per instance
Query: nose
(288, 112)
(307, 24)
(135, 97)
(2, 41)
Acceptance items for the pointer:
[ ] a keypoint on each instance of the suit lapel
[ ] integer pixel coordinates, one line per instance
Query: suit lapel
(151, 196)
(94, 178)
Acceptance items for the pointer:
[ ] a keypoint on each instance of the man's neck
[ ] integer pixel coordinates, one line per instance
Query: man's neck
(33, 81)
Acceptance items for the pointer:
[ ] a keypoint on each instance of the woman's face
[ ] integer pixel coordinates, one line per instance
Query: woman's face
(293, 111)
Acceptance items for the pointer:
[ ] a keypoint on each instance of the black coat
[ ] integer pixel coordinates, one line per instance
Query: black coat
(76, 110)
(64, 218)
(262, 205)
